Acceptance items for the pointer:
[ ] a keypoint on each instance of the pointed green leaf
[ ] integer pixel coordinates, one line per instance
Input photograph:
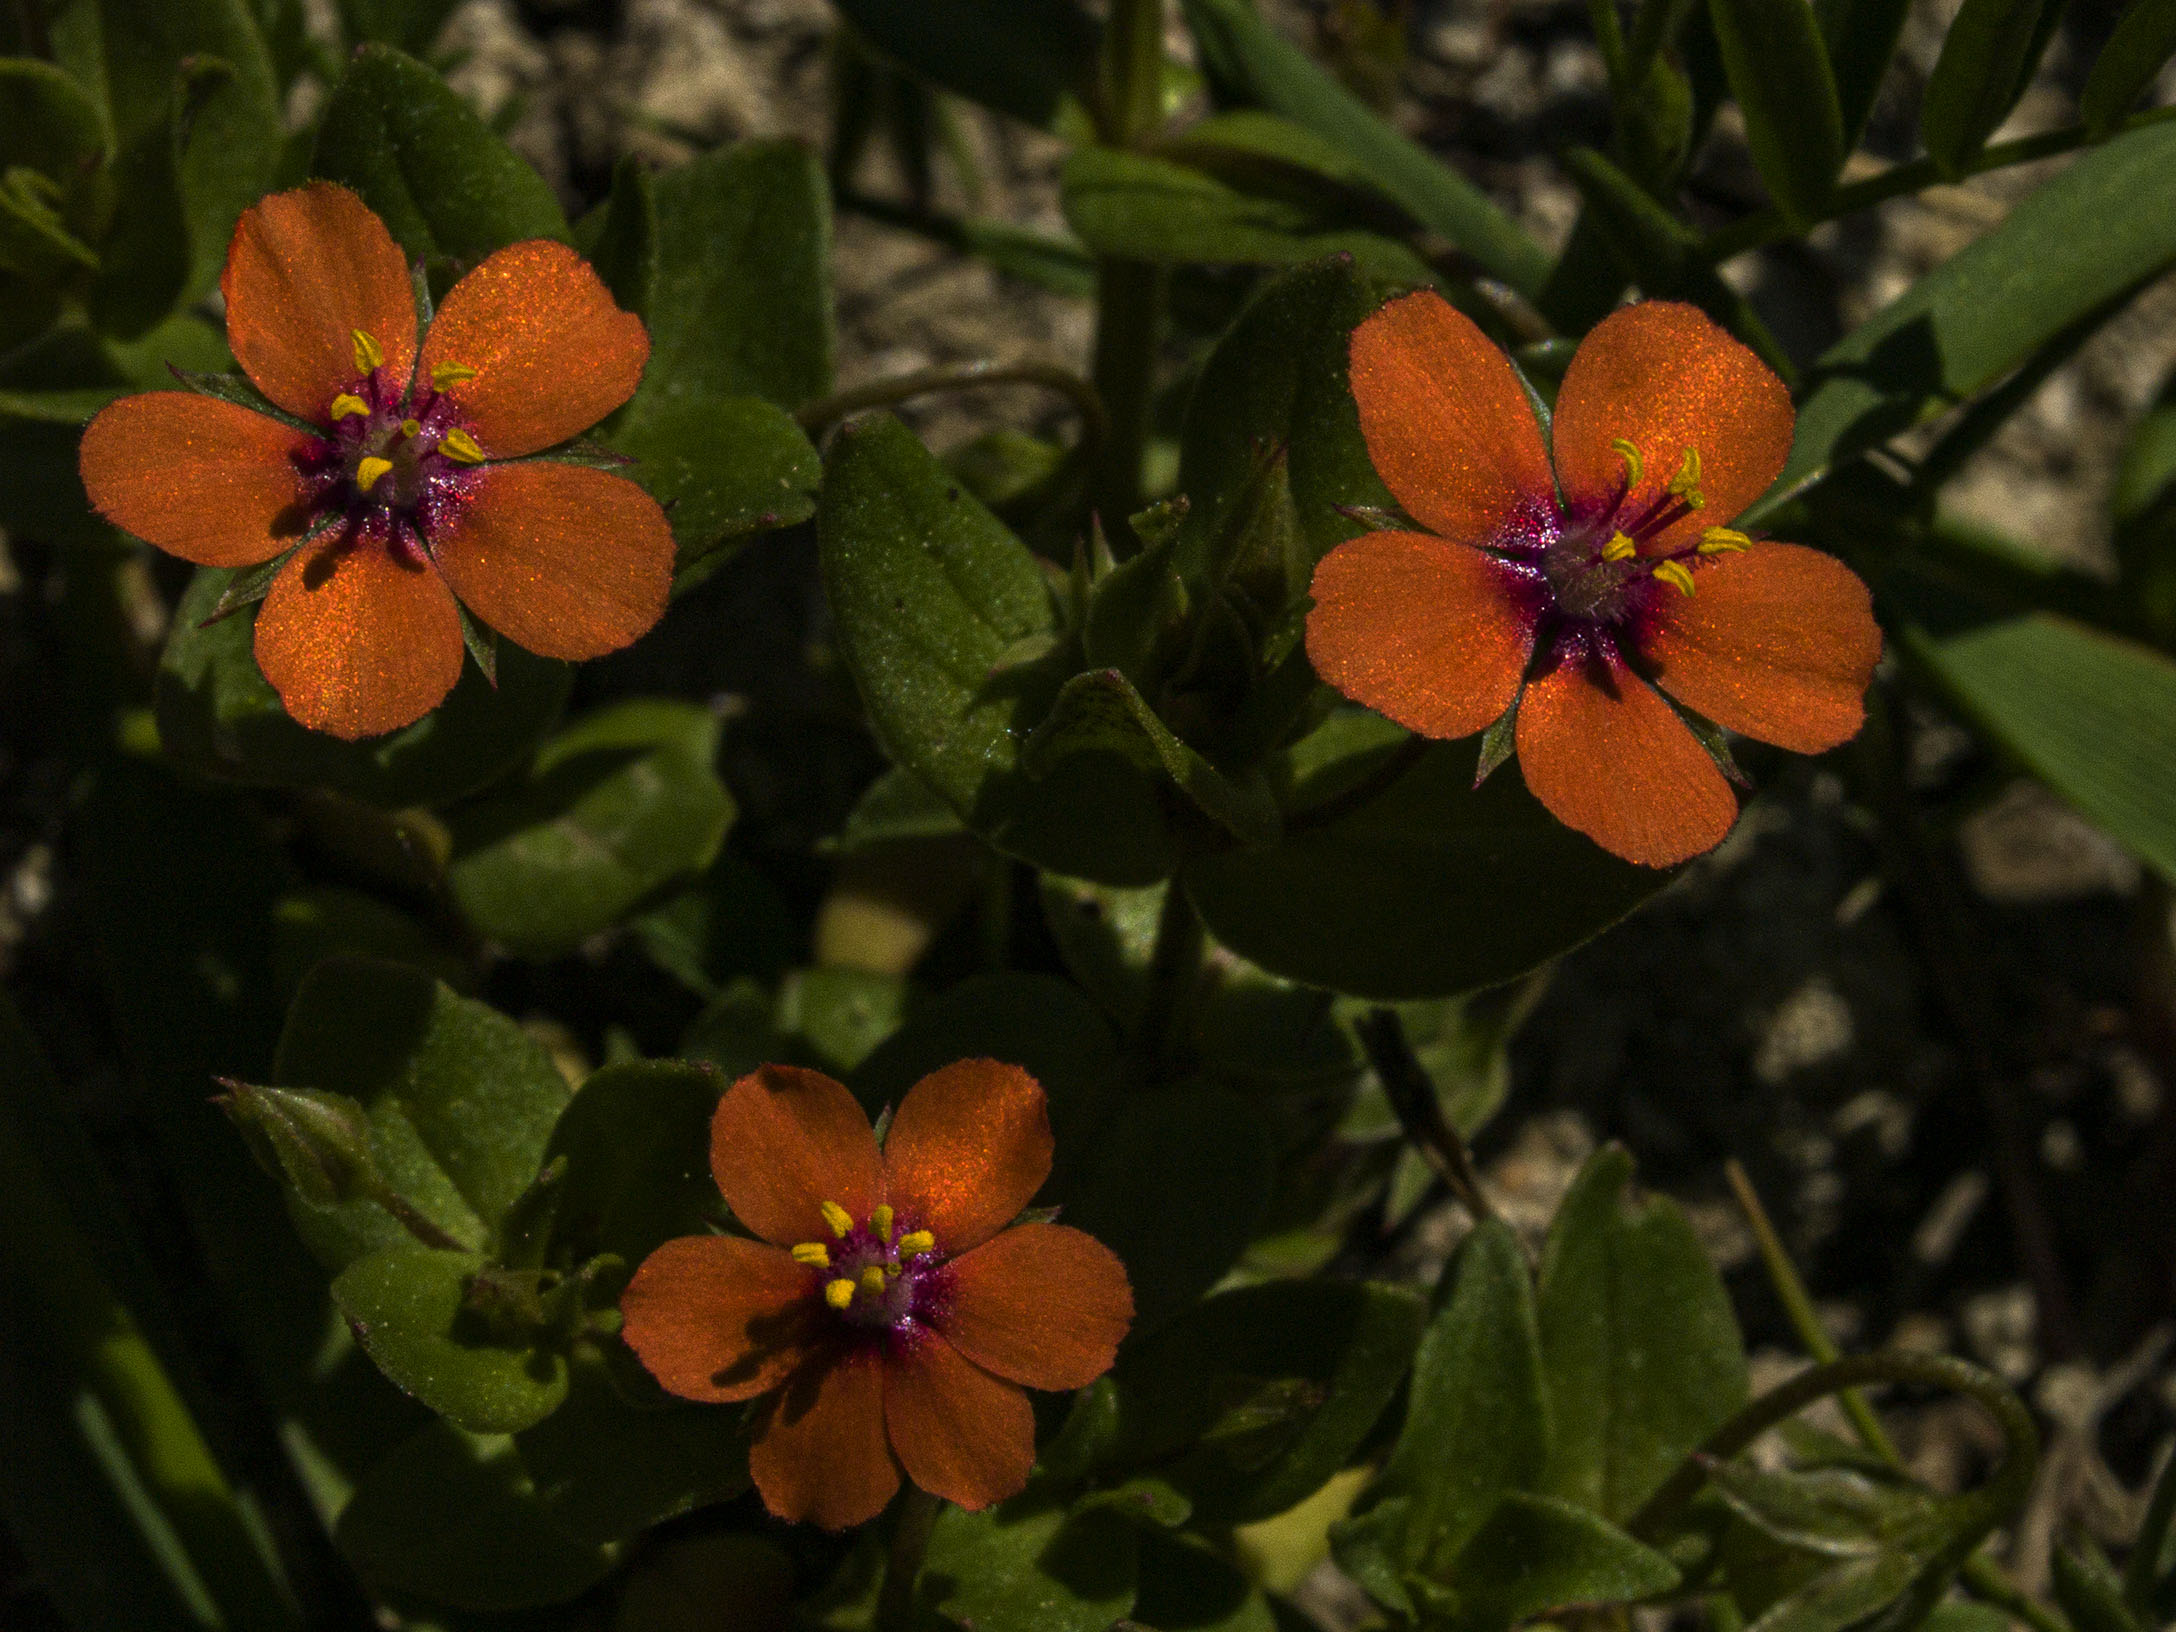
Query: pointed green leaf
(1027, 58)
(1861, 36)
(636, 1140)
(724, 468)
(1536, 1553)
(1780, 75)
(2131, 60)
(1028, 1566)
(1843, 1596)
(1987, 59)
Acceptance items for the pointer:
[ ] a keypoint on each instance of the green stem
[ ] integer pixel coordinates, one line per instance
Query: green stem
(1130, 299)
(1768, 226)
(821, 415)
(1412, 1094)
(1993, 1502)
(2144, 1564)
(1174, 977)
(910, 1541)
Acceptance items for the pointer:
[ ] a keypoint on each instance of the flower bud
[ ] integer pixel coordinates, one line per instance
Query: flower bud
(318, 1142)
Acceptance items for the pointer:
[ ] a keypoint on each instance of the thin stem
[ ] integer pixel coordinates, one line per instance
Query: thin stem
(1995, 1500)
(1412, 1094)
(1174, 976)
(1130, 300)
(2144, 1564)
(1133, 72)
(411, 1219)
(1768, 226)
(910, 1541)
(822, 414)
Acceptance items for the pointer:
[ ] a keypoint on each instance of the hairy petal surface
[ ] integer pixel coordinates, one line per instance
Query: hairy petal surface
(718, 1318)
(1428, 633)
(1042, 1304)
(1447, 423)
(206, 480)
(305, 270)
(1662, 376)
(782, 1143)
(968, 1148)
(819, 1455)
(959, 1432)
(552, 353)
(355, 642)
(566, 561)
(1615, 763)
(1778, 643)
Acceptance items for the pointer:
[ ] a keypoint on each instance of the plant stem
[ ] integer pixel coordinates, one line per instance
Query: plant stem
(2144, 1563)
(910, 1540)
(819, 416)
(1174, 976)
(1412, 1094)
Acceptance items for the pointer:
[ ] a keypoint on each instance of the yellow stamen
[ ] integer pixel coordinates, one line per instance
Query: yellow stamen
(1716, 540)
(1619, 548)
(1676, 575)
(839, 1293)
(838, 1219)
(411, 427)
(1685, 485)
(458, 444)
(881, 1222)
(872, 1280)
(1634, 466)
(916, 1241)
(368, 354)
(347, 404)
(368, 471)
(445, 374)
(814, 1254)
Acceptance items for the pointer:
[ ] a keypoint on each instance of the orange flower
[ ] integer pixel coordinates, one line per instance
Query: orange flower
(887, 1310)
(1562, 589)
(397, 468)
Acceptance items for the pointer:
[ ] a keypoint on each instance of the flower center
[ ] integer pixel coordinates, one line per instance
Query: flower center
(878, 1278)
(395, 459)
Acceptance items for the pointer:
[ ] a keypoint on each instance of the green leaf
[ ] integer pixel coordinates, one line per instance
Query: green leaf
(1187, 1585)
(723, 468)
(731, 921)
(446, 187)
(47, 121)
(1250, 63)
(838, 1016)
(619, 236)
(462, 1101)
(740, 301)
(2130, 61)
(2073, 244)
(219, 717)
(411, 25)
(1139, 207)
(1835, 1512)
(617, 805)
(1250, 1402)
(2090, 1592)
(636, 1140)
(457, 1518)
(897, 806)
(1640, 1349)
(940, 611)
(1430, 888)
(1987, 59)
(1861, 36)
(1843, 1596)
(2091, 715)
(1028, 1566)
(408, 1307)
(1538, 1553)
(1477, 1424)
(1779, 73)
(1027, 58)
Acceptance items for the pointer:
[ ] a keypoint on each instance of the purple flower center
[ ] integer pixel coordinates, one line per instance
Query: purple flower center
(877, 1276)
(392, 468)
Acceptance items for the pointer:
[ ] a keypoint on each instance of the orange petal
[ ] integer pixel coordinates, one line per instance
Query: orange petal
(819, 1455)
(1447, 423)
(552, 353)
(718, 1318)
(566, 561)
(783, 1142)
(968, 1148)
(1663, 377)
(1617, 765)
(959, 1432)
(307, 269)
(356, 643)
(1042, 1305)
(1429, 633)
(1778, 643)
(206, 480)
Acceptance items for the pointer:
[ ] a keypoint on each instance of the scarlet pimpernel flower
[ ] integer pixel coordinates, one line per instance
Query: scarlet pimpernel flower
(1568, 579)
(885, 1307)
(395, 478)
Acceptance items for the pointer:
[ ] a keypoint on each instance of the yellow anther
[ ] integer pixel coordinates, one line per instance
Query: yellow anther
(368, 471)
(839, 1293)
(1676, 575)
(1634, 466)
(347, 404)
(445, 374)
(1685, 484)
(1717, 540)
(916, 1241)
(458, 444)
(411, 427)
(838, 1219)
(872, 1280)
(368, 354)
(881, 1222)
(814, 1254)
(1619, 548)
